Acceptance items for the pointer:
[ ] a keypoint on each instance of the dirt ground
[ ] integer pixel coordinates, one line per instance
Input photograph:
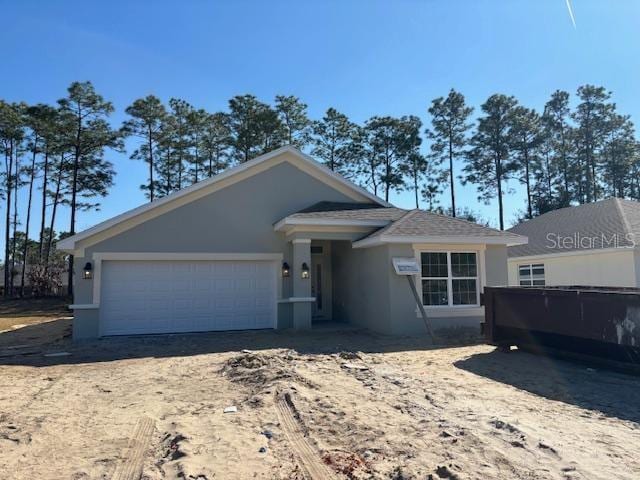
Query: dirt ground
(325, 404)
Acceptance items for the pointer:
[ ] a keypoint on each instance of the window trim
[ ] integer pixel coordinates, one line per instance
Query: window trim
(479, 278)
(530, 266)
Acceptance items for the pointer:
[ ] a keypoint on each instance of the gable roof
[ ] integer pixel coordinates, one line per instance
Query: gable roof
(76, 243)
(420, 226)
(609, 223)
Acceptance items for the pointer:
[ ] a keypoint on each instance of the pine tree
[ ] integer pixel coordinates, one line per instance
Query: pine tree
(147, 117)
(179, 139)
(11, 137)
(293, 115)
(37, 119)
(44, 119)
(591, 118)
(619, 152)
(333, 142)
(526, 137)
(560, 147)
(216, 142)
(448, 132)
(88, 134)
(255, 128)
(416, 167)
(489, 162)
(196, 122)
(393, 141)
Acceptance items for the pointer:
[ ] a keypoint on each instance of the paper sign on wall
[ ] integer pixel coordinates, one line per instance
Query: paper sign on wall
(405, 266)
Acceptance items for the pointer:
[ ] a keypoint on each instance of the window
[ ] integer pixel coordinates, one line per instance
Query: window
(449, 278)
(531, 275)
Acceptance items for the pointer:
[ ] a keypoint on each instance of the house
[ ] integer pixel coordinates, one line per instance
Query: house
(277, 242)
(591, 244)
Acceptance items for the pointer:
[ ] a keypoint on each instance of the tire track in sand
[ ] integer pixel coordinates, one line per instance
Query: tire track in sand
(308, 458)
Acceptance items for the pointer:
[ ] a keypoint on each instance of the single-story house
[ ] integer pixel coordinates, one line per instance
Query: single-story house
(591, 244)
(277, 242)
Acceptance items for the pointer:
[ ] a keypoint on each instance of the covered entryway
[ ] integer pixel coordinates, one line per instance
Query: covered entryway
(158, 296)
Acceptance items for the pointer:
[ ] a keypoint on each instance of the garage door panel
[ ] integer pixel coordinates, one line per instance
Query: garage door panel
(186, 296)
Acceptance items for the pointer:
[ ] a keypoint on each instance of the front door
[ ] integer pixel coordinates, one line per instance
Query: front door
(321, 281)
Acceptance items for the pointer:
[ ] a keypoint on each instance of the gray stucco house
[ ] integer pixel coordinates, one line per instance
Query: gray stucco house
(278, 242)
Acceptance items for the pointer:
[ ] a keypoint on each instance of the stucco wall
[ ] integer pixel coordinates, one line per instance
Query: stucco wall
(613, 269)
(368, 292)
(236, 219)
(496, 265)
(361, 286)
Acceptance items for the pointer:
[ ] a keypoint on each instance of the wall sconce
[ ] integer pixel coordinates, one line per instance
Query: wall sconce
(286, 271)
(87, 272)
(305, 270)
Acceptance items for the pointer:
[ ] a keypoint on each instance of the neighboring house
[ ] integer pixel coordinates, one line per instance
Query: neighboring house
(279, 241)
(591, 244)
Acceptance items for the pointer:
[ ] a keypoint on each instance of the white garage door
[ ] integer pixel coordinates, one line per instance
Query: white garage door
(186, 296)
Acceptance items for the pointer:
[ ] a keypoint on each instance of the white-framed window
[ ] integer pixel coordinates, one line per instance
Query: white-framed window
(531, 275)
(450, 278)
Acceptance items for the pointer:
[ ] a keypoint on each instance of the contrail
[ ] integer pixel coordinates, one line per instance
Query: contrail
(573, 20)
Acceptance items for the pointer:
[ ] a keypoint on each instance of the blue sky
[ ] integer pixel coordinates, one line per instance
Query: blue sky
(362, 57)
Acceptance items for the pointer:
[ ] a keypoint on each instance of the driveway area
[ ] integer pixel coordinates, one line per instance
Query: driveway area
(325, 404)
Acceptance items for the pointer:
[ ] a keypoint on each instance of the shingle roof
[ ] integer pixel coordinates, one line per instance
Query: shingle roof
(605, 224)
(421, 223)
(396, 222)
(348, 211)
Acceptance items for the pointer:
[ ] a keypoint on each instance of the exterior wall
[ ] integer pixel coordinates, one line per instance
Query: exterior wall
(85, 324)
(367, 291)
(610, 269)
(361, 286)
(496, 265)
(236, 219)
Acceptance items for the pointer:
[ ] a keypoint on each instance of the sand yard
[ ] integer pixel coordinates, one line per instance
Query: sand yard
(325, 404)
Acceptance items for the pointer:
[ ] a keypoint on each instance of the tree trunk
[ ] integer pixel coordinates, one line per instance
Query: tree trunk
(150, 166)
(74, 192)
(387, 181)
(26, 227)
(499, 182)
(528, 183)
(197, 161)
(44, 202)
(451, 179)
(7, 234)
(548, 173)
(594, 181)
(14, 245)
(565, 171)
(53, 216)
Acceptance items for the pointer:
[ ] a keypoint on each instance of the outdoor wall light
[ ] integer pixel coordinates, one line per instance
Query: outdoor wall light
(286, 271)
(87, 272)
(305, 270)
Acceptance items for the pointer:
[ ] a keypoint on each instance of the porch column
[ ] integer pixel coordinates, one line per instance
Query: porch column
(301, 286)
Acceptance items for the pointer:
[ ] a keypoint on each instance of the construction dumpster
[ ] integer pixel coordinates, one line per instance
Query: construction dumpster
(599, 322)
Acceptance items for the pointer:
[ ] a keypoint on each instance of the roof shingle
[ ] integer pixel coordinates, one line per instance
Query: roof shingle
(605, 224)
(422, 223)
(348, 211)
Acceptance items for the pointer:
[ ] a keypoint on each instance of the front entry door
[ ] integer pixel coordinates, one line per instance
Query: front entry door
(321, 281)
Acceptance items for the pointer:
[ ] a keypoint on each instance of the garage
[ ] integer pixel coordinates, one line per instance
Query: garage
(158, 296)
